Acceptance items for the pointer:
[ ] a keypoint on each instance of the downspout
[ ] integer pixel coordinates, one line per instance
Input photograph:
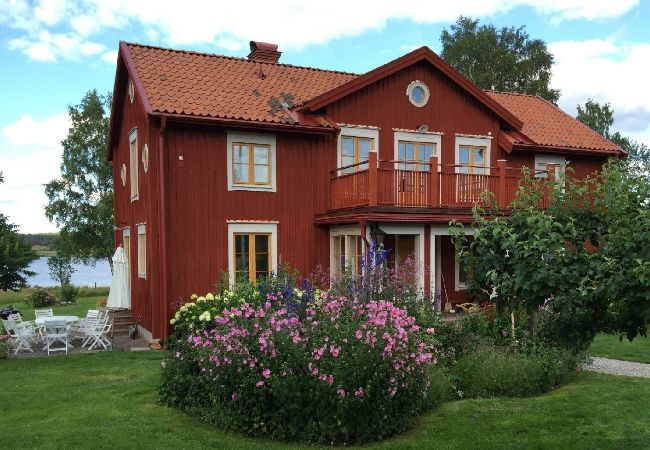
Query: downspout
(163, 224)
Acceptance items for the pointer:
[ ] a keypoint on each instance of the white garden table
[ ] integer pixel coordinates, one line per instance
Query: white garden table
(68, 319)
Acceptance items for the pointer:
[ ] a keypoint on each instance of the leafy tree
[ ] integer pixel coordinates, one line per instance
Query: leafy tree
(600, 118)
(15, 257)
(81, 201)
(61, 269)
(502, 60)
(585, 259)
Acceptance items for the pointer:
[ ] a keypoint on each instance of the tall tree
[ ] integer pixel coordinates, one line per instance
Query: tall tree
(600, 118)
(81, 201)
(502, 60)
(61, 269)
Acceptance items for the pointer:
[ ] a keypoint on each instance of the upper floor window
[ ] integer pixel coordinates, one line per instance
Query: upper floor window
(251, 162)
(414, 149)
(542, 161)
(355, 145)
(418, 93)
(133, 162)
(473, 155)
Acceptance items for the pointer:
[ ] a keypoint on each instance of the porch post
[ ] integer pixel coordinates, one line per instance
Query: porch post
(372, 178)
(433, 182)
(502, 200)
(433, 271)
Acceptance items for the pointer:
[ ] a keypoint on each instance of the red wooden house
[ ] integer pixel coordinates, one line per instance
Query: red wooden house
(233, 164)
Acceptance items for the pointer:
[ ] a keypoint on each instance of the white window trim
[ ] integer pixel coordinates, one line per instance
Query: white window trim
(425, 88)
(251, 138)
(343, 231)
(420, 138)
(142, 230)
(457, 284)
(357, 131)
(558, 160)
(251, 227)
(133, 138)
(417, 230)
(485, 141)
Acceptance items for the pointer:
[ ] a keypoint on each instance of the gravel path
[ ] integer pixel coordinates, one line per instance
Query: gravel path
(618, 367)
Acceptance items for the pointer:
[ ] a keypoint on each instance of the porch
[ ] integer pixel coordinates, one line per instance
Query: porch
(427, 185)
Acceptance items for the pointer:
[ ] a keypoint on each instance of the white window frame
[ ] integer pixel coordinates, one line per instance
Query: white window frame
(133, 164)
(236, 227)
(142, 263)
(412, 85)
(358, 132)
(348, 232)
(420, 137)
(476, 141)
(251, 138)
(558, 160)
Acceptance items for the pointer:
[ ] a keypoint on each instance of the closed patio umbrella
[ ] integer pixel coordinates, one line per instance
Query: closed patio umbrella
(120, 295)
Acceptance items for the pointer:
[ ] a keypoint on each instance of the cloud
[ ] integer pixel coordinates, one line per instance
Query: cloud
(293, 24)
(607, 72)
(48, 47)
(110, 56)
(30, 155)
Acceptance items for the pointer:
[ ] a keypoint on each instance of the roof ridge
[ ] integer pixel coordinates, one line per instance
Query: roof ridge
(237, 58)
(521, 94)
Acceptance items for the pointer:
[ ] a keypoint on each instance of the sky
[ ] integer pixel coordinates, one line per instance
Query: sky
(53, 51)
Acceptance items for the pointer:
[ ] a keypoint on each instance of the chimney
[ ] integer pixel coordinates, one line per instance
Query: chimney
(263, 52)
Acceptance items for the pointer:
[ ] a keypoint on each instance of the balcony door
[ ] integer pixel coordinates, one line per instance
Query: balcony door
(472, 173)
(413, 172)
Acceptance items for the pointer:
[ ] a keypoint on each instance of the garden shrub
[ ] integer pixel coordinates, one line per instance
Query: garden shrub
(40, 298)
(347, 372)
(497, 371)
(69, 293)
(5, 344)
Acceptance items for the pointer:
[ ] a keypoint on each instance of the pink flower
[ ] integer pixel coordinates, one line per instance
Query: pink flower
(233, 397)
(266, 373)
(259, 384)
(359, 392)
(340, 392)
(334, 350)
(358, 334)
(430, 330)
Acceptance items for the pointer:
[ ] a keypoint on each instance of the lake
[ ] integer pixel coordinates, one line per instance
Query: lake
(84, 275)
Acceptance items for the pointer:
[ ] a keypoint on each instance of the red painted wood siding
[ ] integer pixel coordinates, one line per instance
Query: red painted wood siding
(448, 269)
(200, 204)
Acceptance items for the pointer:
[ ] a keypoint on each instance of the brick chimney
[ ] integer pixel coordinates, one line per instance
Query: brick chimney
(263, 52)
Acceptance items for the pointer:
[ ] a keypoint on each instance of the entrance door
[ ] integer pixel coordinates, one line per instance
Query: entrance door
(402, 248)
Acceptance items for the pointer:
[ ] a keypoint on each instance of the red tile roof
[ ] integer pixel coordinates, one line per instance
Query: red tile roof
(207, 85)
(547, 125)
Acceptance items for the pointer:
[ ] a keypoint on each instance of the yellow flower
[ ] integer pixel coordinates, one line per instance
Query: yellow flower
(173, 321)
(193, 297)
(200, 299)
(184, 308)
(209, 296)
(206, 316)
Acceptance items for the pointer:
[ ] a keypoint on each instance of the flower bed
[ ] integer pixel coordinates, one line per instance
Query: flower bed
(346, 371)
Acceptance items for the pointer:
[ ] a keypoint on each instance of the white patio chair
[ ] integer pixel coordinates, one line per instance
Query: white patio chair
(98, 334)
(9, 326)
(82, 327)
(24, 336)
(45, 312)
(18, 319)
(56, 331)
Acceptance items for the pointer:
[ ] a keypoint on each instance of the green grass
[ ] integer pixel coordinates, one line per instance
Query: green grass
(609, 346)
(78, 309)
(107, 400)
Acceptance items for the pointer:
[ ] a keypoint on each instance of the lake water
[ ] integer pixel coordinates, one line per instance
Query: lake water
(84, 275)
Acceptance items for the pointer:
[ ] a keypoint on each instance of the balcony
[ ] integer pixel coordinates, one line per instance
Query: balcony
(388, 183)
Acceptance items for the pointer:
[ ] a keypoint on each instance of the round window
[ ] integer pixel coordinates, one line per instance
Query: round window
(418, 93)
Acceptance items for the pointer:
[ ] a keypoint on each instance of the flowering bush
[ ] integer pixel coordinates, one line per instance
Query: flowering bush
(40, 298)
(347, 371)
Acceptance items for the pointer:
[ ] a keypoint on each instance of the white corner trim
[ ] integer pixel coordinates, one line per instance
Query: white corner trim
(416, 136)
(357, 131)
(251, 227)
(251, 138)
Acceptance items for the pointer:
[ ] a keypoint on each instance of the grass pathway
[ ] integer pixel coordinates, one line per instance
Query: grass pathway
(107, 400)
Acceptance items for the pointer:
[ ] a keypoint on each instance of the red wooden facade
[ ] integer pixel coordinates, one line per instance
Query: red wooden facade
(185, 201)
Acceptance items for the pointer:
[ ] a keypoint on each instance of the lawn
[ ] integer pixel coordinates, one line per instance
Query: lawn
(107, 400)
(88, 300)
(609, 346)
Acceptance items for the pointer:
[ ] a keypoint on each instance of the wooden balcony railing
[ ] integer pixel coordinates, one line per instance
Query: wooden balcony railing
(388, 183)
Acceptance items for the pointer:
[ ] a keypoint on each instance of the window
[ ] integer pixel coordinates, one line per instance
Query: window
(473, 154)
(541, 161)
(252, 251)
(126, 243)
(142, 251)
(418, 93)
(346, 252)
(416, 147)
(461, 270)
(133, 168)
(355, 145)
(251, 162)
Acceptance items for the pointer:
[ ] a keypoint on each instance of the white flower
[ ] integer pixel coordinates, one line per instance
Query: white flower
(193, 297)
(209, 296)
(173, 321)
(200, 299)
